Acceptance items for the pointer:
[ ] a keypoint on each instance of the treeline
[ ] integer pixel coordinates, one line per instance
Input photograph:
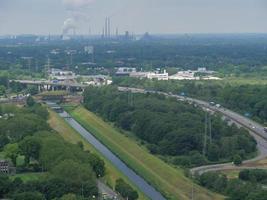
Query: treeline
(5, 85)
(170, 128)
(28, 142)
(230, 54)
(248, 186)
(250, 100)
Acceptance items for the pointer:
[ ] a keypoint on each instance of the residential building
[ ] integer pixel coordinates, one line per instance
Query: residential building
(4, 167)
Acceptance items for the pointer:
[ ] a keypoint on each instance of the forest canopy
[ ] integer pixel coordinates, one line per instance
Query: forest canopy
(170, 128)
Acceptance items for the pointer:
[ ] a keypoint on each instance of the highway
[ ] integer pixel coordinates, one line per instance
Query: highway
(255, 129)
(146, 188)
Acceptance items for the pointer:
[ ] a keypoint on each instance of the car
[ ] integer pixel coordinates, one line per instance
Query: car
(212, 103)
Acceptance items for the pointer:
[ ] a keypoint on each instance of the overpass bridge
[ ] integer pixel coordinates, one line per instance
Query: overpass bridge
(53, 85)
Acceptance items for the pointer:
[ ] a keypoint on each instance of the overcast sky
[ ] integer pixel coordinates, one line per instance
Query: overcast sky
(139, 16)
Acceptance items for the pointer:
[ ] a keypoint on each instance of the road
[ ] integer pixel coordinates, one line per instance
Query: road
(147, 189)
(255, 129)
(105, 191)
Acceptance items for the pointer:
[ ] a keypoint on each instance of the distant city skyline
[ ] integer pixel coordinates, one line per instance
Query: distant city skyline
(138, 16)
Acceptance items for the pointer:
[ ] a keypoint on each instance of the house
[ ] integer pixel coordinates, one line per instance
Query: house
(4, 167)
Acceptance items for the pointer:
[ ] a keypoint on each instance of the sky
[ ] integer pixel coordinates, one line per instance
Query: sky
(138, 16)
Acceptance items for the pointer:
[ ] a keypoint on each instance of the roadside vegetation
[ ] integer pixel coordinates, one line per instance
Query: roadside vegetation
(241, 95)
(47, 166)
(249, 185)
(174, 130)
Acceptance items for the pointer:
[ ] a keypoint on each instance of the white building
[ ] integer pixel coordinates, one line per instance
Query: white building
(61, 75)
(139, 74)
(159, 76)
(184, 75)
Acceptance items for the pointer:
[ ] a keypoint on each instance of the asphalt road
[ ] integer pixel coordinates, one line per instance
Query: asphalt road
(255, 129)
(106, 192)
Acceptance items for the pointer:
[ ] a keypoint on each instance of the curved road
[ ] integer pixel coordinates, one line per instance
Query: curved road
(255, 129)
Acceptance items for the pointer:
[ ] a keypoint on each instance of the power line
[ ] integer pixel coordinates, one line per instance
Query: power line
(210, 130)
(205, 135)
(130, 99)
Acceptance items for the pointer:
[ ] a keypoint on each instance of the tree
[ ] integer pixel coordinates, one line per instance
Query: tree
(3, 140)
(40, 111)
(69, 197)
(2, 90)
(32, 90)
(30, 148)
(97, 164)
(257, 195)
(79, 176)
(12, 151)
(80, 145)
(28, 196)
(125, 190)
(30, 101)
(237, 160)
(5, 184)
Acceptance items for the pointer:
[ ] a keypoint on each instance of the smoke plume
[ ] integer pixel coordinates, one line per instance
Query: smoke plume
(77, 10)
(69, 24)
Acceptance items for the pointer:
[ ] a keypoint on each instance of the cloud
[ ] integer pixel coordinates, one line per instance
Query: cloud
(77, 4)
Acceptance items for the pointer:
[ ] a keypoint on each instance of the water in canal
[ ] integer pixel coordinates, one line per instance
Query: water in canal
(147, 189)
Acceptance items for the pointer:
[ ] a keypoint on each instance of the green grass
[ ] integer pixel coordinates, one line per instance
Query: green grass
(70, 135)
(169, 180)
(245, 80)
(231, 174)
(25, 177)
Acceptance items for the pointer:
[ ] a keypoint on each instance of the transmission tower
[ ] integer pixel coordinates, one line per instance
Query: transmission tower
(205, 135)
(210, 130)
(130, 98)
(47, 67)
(192, 192)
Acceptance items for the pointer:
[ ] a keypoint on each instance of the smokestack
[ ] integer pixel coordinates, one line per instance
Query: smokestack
(106, 27)
(109, 34)
(103, 32)
(117, 32)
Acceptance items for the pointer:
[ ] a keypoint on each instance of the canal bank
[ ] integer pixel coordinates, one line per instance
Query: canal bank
(146, 188)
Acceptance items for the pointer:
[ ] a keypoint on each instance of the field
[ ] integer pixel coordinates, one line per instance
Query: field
(70, 135)
(245, 80)
(25, 177)
(169, 180)
(231, 174)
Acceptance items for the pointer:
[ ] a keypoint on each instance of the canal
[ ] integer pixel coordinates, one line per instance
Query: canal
(146, 188)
